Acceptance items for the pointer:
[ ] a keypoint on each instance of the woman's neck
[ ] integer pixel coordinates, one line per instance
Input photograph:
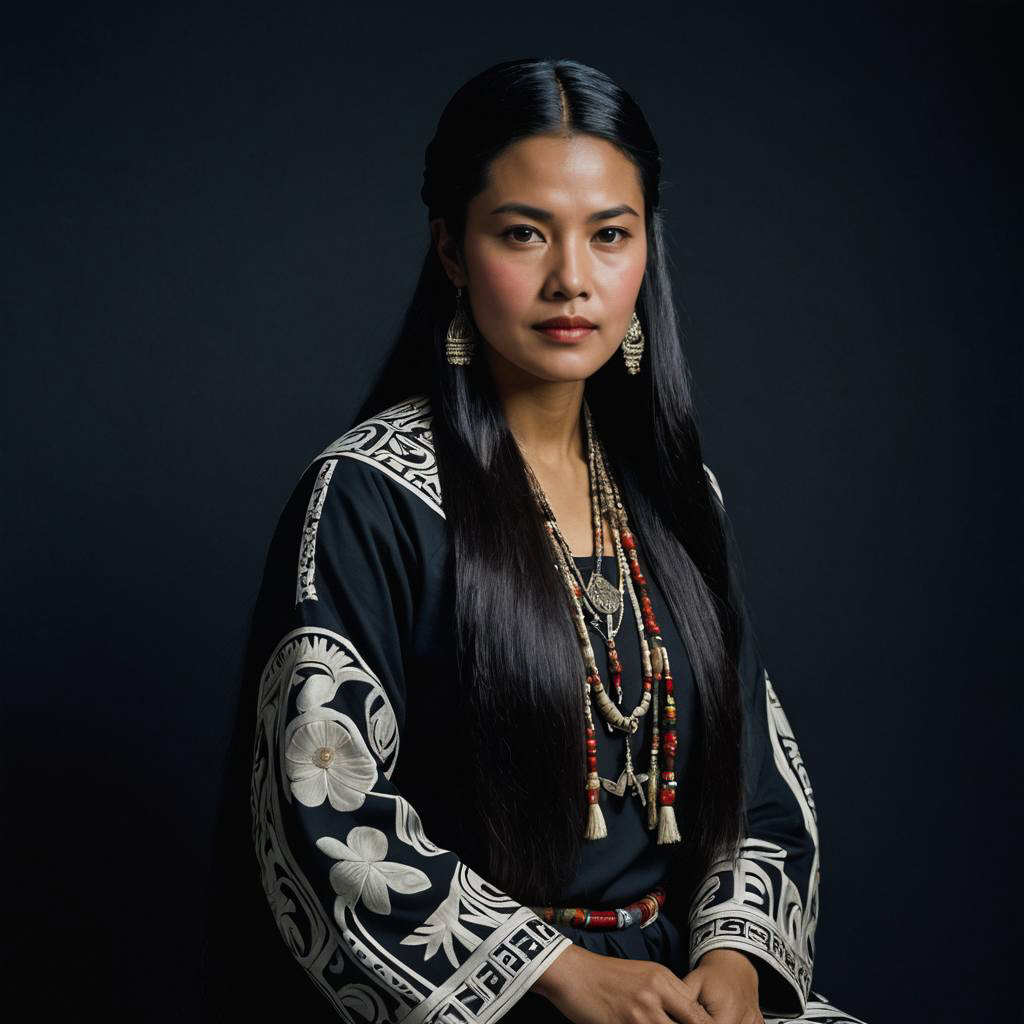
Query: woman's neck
(544, 417)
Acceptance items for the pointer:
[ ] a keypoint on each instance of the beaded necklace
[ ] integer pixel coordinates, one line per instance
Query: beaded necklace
(599, 597)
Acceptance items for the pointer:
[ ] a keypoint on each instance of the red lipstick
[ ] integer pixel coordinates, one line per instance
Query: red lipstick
(567, 329)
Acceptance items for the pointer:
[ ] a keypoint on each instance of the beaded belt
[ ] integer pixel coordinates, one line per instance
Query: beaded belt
(642, 912)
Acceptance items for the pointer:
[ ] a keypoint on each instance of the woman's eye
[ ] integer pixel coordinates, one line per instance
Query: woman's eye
(522, 233)
(518, 227)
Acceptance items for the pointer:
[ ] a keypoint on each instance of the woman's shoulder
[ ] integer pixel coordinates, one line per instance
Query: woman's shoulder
(397, 443)
(393, 448)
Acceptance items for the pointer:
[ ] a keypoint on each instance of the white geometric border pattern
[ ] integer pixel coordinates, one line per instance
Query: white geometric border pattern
(752, 904)
(749, 902)
(305, 585)
(790, 764)
(398, 441)
(818, 1011)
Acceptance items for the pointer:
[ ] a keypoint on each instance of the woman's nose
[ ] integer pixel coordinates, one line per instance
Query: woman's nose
(568, 275)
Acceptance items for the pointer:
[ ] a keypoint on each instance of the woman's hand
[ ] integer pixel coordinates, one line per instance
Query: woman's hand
(592, 989)
(725, 983)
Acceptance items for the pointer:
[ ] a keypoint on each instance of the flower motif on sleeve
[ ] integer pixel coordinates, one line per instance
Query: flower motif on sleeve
(327, 758)
(362, 873)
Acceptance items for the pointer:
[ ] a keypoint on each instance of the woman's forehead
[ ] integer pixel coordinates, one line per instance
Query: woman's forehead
(563, 175)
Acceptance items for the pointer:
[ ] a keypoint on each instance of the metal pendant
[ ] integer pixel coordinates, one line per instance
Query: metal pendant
(628, 781)
(603, 596)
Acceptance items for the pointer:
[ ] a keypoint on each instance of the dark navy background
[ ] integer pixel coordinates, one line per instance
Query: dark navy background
(211, 227)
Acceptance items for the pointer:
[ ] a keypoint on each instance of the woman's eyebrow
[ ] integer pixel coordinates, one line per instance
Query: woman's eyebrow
(536, 213)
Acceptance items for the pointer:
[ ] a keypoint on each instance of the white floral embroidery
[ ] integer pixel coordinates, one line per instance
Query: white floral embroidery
(327, 759)
(357, 964)
(362, 873)
(318, 667)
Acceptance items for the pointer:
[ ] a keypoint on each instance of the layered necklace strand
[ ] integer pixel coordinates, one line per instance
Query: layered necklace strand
(604, 600)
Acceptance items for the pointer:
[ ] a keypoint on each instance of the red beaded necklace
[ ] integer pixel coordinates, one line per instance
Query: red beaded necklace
(657, 683)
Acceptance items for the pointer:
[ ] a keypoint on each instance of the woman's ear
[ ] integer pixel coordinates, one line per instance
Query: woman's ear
(447, 252)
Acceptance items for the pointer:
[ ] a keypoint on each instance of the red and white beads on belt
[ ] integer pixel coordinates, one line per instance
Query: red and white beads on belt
(642, 912)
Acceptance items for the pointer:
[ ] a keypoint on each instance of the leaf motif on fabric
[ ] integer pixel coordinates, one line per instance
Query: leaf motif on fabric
(381, 726)
(410, 829)
(443, 927)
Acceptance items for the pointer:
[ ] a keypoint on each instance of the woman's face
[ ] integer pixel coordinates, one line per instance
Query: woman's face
(558, 231)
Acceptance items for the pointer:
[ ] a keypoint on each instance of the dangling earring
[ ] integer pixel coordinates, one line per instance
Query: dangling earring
(633, 345)
(459, 344)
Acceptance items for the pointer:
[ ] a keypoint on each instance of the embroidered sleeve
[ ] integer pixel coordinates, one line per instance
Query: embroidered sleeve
(764, 902)
(388, 925)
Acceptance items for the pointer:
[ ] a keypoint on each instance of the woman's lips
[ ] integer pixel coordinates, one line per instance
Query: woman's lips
(566, 335)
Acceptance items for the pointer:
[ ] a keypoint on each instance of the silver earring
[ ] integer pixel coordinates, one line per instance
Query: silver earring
(633, 345)
(459, 343)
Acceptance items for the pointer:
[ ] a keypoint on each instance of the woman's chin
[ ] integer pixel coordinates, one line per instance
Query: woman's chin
(551, 363)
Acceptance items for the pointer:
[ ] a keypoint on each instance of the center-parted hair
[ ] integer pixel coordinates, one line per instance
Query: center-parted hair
(520, 669)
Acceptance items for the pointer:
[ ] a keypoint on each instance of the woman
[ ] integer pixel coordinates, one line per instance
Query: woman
(516, 754)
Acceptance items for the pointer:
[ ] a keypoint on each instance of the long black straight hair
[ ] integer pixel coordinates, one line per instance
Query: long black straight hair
(519, 664)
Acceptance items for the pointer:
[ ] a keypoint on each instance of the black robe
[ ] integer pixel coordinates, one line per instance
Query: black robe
(355, 835)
